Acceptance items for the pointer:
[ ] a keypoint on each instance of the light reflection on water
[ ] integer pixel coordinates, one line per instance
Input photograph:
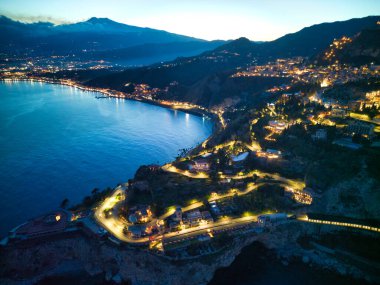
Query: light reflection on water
(59, 142)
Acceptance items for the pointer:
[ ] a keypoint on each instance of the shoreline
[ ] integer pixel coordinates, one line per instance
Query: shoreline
(111, 93)
(108, 94)
(216, 123)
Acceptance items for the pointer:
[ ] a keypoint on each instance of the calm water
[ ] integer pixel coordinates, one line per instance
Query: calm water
(58, 142)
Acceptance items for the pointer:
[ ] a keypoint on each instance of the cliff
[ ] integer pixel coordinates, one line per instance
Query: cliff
(27, 265)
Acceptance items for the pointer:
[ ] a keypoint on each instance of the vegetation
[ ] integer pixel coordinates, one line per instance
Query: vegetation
(90, 201)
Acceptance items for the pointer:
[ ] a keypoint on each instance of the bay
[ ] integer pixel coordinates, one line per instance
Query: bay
(59, 142)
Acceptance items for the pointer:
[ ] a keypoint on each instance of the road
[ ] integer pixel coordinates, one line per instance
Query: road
(171, 168)
(116, 226)
(339, 224)
(295, 184)
(184, 209)
(112, 224)
(364, 118)
(225, 224)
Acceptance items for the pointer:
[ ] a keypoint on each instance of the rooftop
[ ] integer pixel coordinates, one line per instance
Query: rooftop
(52, 222)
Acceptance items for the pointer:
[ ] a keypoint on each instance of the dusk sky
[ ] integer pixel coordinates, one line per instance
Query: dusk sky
(213, 19)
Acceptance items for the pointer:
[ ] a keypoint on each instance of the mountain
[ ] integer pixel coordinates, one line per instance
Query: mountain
(206, 79)
(313, 39)
(186, 70)
(107, 39)
(364, 48)
(95, 34)
(240, 46)
(150, 53)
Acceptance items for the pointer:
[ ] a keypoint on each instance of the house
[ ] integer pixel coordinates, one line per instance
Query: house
(271, 219)
(361, 128)
(339, 113)
(200, 164)
(136, 231)
(177, 216)
(214, 208)
(194, 217)
(50, 224)
(174, 225)
(273, 153)
(140, 214)
(206, 216)
(278, 126)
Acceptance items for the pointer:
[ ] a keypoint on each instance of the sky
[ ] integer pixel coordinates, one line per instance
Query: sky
(258, 20)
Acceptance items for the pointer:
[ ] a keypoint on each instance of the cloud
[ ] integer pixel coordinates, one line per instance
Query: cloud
(35, 19)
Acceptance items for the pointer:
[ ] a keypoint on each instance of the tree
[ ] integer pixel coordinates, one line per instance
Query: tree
(64, 203)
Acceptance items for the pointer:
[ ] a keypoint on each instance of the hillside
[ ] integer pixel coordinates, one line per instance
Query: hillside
(150, 53)
(204, 79)
(311, 40)
(186, 71)
(363, 48)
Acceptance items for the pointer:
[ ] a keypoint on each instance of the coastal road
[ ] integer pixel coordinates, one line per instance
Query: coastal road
(223, 225)
(171, 168)
(304, 218)
(116, 226)
(112, 224)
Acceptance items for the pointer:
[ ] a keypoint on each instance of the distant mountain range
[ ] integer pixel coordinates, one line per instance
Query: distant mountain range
(102, 38)
(96, 38)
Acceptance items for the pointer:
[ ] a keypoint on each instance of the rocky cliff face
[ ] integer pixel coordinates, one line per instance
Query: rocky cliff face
(357, 197)
(27, 265)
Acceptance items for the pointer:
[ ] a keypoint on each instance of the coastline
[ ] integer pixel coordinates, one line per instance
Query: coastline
(216, 123)
(109, 95)
(232, 254)
(201, 112)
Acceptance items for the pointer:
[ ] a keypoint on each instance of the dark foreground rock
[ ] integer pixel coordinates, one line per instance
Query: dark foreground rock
(82, 260)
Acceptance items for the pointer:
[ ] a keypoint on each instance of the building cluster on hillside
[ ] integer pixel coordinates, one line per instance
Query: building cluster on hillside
(337, 44)
(144, 91)
(140, 214)
(296, 69)
(23, 67)
(372, 99)
(183, 220)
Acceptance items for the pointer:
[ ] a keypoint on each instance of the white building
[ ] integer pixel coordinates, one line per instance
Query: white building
(272, 219)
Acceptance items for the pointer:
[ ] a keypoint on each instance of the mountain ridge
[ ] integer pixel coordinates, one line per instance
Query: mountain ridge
(205, 79)
(96, 34)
